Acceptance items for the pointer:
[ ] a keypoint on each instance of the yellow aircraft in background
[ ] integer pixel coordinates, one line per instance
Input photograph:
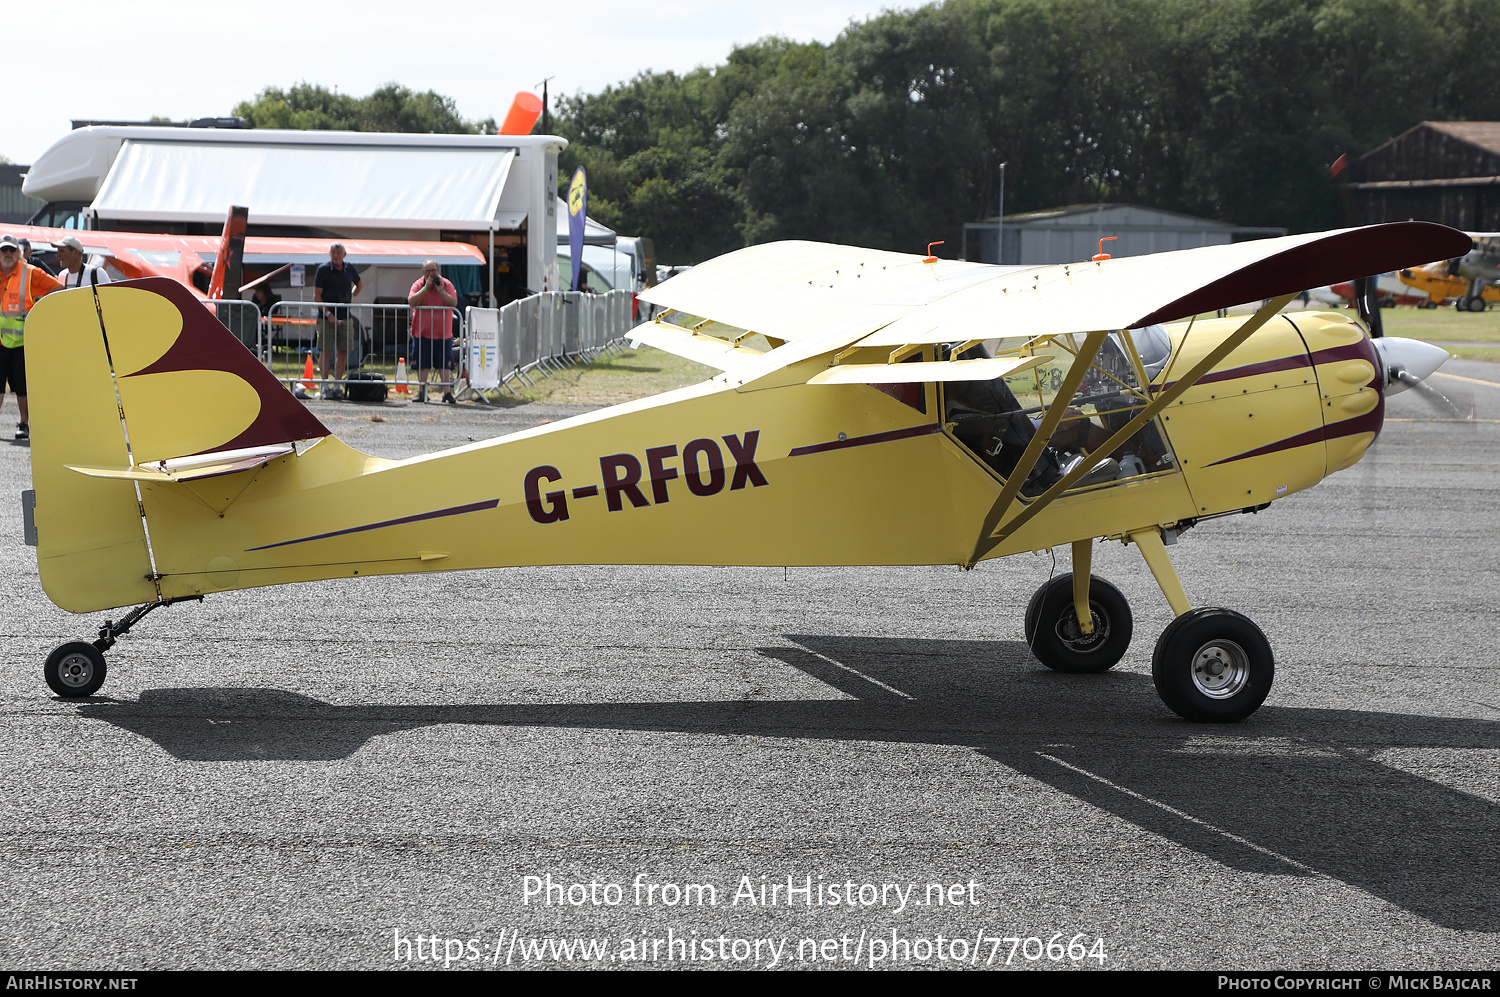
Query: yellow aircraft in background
(1439, 284)
(873, 408)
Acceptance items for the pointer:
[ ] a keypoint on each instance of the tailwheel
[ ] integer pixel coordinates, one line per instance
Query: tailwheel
(74, 670)
(1055, 637)
(1213, 666)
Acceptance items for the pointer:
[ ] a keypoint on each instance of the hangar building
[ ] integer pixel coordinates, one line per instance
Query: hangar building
(1071, 234)
(1437, 171)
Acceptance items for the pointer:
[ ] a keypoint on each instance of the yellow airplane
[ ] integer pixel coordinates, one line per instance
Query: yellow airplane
(873, 408)
(1439, 285)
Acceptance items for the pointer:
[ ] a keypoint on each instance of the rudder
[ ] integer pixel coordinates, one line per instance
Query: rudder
(186, 386)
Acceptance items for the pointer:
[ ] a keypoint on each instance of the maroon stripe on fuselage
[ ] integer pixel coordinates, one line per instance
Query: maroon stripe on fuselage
(456, 510)
(1353, 351)
(1300, 440)
(1362, 350)
(1370, 422)
(1249, 370)
(860, 441)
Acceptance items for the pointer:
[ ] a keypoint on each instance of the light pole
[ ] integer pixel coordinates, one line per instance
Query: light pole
(1000, 221)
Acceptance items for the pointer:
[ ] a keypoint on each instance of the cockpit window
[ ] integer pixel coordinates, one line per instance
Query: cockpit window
(996, 420)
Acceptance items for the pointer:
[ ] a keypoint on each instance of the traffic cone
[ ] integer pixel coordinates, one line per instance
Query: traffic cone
(401, 388)
(308, 381)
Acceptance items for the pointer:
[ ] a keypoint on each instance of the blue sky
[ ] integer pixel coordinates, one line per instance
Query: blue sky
(137, 59)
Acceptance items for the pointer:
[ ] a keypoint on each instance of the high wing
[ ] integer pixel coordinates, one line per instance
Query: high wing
(816, 299)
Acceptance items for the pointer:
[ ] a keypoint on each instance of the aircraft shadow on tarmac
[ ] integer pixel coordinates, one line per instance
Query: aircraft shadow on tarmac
(1292, 791)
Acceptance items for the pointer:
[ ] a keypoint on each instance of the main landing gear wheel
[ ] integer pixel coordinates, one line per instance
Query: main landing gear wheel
(1053, 633)
(1212, 666)
(75, 670)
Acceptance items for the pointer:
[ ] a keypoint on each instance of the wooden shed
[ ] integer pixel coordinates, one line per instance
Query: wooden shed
(1439, 171)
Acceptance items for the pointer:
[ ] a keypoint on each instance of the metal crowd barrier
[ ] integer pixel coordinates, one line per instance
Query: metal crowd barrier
(241, 318)
(491, 347)
(545, 332)
(379, 337)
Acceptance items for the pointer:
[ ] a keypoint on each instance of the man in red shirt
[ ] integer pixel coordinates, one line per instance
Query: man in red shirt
(432, 299)
(20, 285)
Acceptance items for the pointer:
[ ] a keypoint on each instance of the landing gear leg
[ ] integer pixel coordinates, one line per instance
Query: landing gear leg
(1076, 622)
(77, 669)
(1210, 665)
(1475, 301)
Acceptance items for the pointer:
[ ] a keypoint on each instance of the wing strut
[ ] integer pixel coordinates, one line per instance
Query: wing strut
(987, 542)
(1065, 392)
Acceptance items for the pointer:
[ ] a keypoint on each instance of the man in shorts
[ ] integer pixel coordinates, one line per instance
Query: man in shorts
(432, 300)
(336, 283)
(20, 285)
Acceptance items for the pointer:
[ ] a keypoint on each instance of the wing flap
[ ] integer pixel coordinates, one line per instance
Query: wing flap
(940, 370)
(707, 350)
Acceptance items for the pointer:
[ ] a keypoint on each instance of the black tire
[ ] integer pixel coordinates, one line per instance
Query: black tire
(75, 670)
(1461, 304)
(1213, 666)
(1052, 633)
(1477, 304)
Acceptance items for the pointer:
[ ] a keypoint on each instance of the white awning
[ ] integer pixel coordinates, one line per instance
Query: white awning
(360, 260)
(594, 233)
(323, 186)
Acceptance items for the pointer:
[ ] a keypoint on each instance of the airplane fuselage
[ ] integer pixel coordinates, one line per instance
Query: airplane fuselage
(786, 474)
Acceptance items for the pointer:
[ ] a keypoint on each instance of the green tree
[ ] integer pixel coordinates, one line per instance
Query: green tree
(891, 136)
(390, 108)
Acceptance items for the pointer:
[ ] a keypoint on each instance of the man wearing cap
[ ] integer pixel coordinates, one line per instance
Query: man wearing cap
(74, 273)
(26, 256)
(20, 285)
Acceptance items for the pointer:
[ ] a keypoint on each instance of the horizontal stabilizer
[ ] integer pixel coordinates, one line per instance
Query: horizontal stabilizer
(210, 465)
(942, 370)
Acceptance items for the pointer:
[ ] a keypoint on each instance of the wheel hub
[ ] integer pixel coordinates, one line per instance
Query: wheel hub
(1071, 634)
(1221, 669)
(76, 671)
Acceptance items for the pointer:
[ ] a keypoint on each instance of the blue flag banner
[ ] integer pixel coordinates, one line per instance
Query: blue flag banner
(578, 203)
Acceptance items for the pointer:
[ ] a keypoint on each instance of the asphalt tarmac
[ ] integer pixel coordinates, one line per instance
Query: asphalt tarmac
(385, 772)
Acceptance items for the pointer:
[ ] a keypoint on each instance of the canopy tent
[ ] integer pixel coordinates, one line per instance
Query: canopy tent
(334, 186)
(613, 268)
(594, 234)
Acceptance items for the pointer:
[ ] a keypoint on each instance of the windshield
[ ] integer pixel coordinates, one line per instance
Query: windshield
(1154, 346)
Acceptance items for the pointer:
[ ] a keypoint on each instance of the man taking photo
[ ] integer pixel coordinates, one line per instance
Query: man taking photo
(432, 300)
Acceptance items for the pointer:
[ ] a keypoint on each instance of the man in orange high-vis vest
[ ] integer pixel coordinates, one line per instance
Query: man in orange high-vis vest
(20, 285)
